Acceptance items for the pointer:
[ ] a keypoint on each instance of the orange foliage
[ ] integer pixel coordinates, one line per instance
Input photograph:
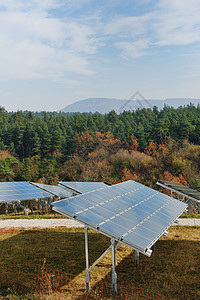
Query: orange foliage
(151, 149)
(4, 154)
(133, 145)
(127, 175)
(108, 141)
(169, 177)
(105, 138)
(84, 143)
(42, 180)
(163, 149)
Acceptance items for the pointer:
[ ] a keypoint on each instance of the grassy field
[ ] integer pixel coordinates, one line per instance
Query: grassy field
(173, 270)
(35, 215)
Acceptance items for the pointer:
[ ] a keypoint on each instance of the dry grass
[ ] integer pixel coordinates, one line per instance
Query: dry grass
(173, 270)
(35, 215)
(54, 215)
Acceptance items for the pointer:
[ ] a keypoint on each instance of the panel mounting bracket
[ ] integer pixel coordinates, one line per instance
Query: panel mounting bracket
(89, 268)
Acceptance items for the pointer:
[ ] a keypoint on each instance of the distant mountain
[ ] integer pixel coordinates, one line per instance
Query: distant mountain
(105, 105)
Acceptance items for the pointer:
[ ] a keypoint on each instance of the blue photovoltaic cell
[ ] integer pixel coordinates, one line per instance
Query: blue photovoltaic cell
(16, 191)
(129, 212)
(82, 187)
(91, 218)
(55, 190)
(137, 240)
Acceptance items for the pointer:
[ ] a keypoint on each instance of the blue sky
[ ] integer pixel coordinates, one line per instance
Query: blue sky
(55, 52)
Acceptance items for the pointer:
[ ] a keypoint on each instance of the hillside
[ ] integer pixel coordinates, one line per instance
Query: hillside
(105, 105)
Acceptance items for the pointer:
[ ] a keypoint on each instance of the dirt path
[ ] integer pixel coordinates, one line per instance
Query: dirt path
(52, 223)
(40, 223)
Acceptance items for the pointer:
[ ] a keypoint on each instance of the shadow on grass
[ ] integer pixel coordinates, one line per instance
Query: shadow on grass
(62, 250)
(173, 270)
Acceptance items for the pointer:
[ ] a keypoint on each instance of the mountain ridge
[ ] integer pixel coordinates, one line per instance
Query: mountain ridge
(105, 105)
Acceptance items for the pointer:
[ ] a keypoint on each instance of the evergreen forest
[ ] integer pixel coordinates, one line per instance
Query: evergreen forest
(144, 145)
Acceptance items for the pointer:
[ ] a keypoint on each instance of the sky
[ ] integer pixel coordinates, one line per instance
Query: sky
(56, 52)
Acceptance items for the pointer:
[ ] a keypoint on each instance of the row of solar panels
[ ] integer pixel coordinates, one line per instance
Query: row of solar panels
(128, 212)
(180, 189)
(21, 191)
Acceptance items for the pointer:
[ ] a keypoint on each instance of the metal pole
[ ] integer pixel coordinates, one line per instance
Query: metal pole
(114, 274)
(15, 208)
(137, 258)
(6, 209)
(87, 274)
(31, 206)
(40, 205)
(48, 205)
(189, 206)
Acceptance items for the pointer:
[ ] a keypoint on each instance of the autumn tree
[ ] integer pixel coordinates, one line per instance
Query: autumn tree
(84, 144)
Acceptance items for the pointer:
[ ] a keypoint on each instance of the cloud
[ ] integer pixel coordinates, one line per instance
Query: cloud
(33, 44)
(178, 22)
(48, 39)
(170, 23)
(133, 49)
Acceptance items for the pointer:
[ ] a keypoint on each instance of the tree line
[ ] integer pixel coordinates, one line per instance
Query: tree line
(142, 145)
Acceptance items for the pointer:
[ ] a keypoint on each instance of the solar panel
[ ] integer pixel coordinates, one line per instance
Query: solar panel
(128, 212)
(57, 191)
(82, 187)
(181, 189)
(16, 191)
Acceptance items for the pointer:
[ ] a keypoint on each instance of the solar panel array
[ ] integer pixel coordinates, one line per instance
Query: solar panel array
(55, 190)
(184, 189)
(17, 191)
(128, 212)
(82, 187)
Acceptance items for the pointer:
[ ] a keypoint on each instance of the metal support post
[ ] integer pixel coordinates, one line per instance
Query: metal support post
(137, 255)
(48, 205)
(189, 207)
(114, 274)
(87, 274)
(6, 212)
(31, 206)
(40, 205)
(15, 208)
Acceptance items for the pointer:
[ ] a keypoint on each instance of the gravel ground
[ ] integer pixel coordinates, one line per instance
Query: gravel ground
(52, 223)
(189, 222)
(40, 223)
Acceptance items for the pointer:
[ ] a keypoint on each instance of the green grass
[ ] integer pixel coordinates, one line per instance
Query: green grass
(173, 270)
(196, 216)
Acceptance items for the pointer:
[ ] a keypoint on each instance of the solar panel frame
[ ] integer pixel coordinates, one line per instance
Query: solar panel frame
(82, 187)
(58, 191)
(180, 189)
(100, 217)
